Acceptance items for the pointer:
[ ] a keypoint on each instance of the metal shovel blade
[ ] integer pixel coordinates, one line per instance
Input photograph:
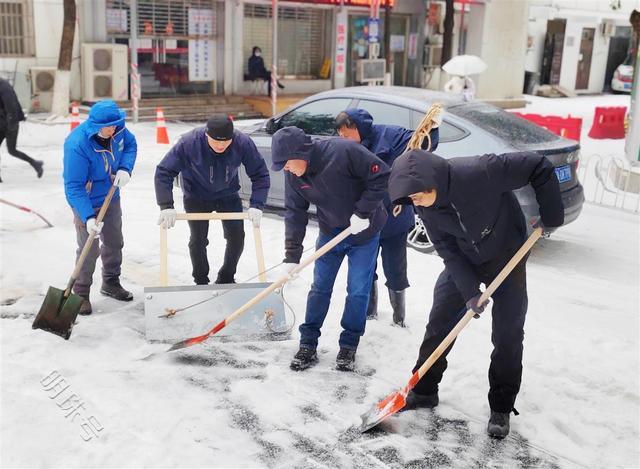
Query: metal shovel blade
(383, 409)
(57, 313)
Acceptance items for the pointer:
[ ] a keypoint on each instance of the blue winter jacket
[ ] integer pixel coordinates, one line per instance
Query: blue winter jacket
(388, 142)
(207, 175)
(88, 167)
(342, 178)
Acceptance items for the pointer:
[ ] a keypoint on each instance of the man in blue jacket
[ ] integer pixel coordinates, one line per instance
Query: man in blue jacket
(347, 184)
(209, 159)
(387, 142)
(476, 225)
(99, 153)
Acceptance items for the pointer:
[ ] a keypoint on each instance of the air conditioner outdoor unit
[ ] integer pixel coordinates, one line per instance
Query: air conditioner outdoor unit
(42, 80)
(370, 70)
(104, 72)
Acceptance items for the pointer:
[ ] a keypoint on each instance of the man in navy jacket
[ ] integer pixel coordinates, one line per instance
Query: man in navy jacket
(347, 184)
(209, 159)
(387, 142)
(476, 225)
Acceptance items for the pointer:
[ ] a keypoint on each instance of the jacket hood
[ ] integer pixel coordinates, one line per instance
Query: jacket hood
(290, 143)
(418, 171)
(104, 114)
(363, 121)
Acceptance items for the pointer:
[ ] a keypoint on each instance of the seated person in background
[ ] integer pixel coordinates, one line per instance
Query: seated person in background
(257, 70)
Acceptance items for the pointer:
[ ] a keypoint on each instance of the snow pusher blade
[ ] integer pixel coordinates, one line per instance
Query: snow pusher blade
(397, 400)
(262, 295)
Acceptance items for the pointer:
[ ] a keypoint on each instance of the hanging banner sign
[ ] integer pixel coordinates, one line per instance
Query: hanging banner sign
(201, 51)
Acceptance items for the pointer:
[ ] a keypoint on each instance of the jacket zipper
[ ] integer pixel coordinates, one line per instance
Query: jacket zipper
(464, 228)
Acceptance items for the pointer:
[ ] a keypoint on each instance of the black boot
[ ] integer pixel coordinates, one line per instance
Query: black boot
(37, 165)
(280, 85)
(305, 358)
(372, 308)
(345, 361)
(113, 289)
(498, 426)
(85, 307)
(421, 401)
(397, 303)
(222, 279)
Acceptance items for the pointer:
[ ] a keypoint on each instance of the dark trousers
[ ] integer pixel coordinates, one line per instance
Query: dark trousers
(393, 251)
(12, 139)
(199, 240)
(508, 315)
(109, 249)
(362, 259)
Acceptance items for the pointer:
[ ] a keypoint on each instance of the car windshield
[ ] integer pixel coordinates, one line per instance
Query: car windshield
(509, 127)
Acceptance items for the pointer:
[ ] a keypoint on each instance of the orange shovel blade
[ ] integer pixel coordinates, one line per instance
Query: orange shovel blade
(383, 409)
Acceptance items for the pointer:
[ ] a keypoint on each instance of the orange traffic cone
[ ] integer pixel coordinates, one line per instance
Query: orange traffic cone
(161, 129)
(75, 115)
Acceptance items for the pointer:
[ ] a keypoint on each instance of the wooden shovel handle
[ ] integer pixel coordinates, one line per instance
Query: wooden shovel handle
(89, 242)
(518, 256)
(213, 216)
(285, 278)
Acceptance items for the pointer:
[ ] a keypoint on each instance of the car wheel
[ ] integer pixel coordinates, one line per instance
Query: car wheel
(418, 238)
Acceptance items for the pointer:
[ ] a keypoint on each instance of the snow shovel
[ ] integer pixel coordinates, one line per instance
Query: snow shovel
(397, 400)
(28, 210)
(60, 308)
(263, 294)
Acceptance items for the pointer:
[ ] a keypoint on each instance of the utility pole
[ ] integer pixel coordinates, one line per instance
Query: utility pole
(133, 49)
(274, 66)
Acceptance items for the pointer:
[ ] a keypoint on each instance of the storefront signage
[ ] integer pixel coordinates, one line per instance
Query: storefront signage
(201, 49)
(341, 47)
(352, 3)
(374, 29)
(116, 20)
(412, 48)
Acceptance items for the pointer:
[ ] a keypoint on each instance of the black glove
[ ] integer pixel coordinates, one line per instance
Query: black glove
(473, 305)
(546, 231)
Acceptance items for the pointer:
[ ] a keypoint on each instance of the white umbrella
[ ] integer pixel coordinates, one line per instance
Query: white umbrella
(463, 65)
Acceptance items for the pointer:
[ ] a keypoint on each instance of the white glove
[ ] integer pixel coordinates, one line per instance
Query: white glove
(287, 268)
(122, 178)
(357, 224)
(94, 228)
(167, 217)
(255, 215)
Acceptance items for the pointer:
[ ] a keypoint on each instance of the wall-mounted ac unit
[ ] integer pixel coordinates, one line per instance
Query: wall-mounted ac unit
(42, 80)
(104, 72)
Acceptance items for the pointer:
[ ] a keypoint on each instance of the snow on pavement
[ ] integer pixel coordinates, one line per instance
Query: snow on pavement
(237, 404)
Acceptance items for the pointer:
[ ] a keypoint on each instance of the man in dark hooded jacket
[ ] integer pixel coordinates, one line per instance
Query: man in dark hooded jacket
(209, 159)
(476, 225)
(10, 117)
(347, 184)
(387, 142)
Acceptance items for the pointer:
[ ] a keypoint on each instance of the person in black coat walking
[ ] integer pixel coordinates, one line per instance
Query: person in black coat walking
(476, 225)
(257, 70)
(209, 159)
(346, 183)
(10, 117)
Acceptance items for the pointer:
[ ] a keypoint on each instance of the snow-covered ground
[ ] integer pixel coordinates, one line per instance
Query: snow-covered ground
(237, 404)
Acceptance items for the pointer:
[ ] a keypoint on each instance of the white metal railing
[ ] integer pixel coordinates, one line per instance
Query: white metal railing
(610, 181)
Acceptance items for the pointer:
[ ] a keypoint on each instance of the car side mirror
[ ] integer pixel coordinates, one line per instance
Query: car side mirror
(271, 126)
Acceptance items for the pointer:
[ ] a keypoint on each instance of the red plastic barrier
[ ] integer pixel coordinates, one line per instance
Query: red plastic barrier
(608, 122)
(568, 127)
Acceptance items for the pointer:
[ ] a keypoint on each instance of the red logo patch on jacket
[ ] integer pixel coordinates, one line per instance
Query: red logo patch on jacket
(375, 168)
(305, 186)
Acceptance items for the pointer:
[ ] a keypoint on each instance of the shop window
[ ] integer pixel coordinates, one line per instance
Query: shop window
(16, 28)
(317, 117)
(304, 38)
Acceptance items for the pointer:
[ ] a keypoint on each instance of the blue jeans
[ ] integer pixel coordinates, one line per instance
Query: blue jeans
(362, 262)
